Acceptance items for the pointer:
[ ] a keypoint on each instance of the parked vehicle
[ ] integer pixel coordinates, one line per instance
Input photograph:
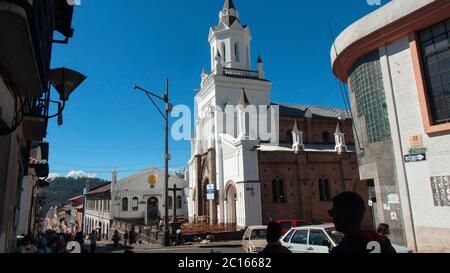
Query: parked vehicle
(286, 225)
(318, 239)
(254, 239)
(312, 239)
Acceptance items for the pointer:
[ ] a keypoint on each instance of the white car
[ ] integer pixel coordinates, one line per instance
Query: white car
(254, 239)
(312, 239)
(318, 239)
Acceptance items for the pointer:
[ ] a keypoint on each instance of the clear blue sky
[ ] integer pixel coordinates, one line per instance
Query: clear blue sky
(118, 43)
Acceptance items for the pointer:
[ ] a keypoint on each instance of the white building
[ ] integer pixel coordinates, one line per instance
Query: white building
(97, 211)
(396, 62)
(223, 157)
(240, 175)
(141, 197)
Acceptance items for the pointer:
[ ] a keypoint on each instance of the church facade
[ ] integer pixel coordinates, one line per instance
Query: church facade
(140, 198)
(239, 177)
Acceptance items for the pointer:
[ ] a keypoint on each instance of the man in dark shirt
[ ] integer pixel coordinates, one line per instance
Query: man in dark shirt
(273, 236)
(347, 213)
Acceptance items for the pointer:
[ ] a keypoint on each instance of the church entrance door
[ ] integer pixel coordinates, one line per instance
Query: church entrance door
(203, 202)
(231, 205)
(152, 210)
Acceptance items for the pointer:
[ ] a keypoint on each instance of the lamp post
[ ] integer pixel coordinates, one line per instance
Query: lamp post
(168, 109)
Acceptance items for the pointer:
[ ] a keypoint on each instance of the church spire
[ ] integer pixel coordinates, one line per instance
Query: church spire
(228, 5)
(244, 100)
(229, 14)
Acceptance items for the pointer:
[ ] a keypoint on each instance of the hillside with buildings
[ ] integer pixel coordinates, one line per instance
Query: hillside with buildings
(63, 188)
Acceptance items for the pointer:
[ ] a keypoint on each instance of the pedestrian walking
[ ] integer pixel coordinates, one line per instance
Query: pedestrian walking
(132, 237)
(161, 224)
(384, 231)
(125, 238)
(116, 238)
(93, 240)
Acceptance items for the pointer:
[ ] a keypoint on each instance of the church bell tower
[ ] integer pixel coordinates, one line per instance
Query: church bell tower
(230, 40)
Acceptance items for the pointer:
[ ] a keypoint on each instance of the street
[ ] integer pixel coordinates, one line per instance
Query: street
(232, 247)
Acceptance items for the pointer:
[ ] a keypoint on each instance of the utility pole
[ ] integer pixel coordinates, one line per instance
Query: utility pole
(166, 168)
(168, 106)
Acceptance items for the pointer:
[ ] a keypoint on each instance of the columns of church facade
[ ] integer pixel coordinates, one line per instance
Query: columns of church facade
(219, 119)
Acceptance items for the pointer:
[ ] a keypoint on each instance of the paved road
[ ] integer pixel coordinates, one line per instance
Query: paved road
(228, 248)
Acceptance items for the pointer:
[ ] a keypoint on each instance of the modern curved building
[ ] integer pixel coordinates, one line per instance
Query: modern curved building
(396, 62)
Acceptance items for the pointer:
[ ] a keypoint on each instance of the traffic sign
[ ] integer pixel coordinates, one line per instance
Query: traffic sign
(415, 158)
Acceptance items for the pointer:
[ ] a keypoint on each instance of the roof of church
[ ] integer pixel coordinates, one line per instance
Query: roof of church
(259, 59)
(100, 189)
(308, 148)
(229, 19)
(228, 5)
(244, 100)
(299, 110)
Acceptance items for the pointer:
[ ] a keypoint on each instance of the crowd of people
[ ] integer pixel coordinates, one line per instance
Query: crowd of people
(51, 242)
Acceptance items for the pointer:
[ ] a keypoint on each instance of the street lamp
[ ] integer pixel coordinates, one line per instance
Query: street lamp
(168, 108)
(65, 81)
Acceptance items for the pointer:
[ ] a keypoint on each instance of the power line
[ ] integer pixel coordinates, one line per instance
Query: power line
(116, 148)
(109, 166)
(120, 171)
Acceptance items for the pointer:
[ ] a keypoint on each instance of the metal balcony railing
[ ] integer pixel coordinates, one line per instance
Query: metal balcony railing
(240, 73)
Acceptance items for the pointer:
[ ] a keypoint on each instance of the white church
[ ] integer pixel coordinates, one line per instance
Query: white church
(228, 182)
(217, 157)
(141, 197)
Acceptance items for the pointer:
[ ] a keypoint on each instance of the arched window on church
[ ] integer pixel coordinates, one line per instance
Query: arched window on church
(278, 191)
(325, 137)
(170, 202)
(124, 204)
(236, 52)
(224, 53)
(324, 190)
(179, 202)
(135, 204)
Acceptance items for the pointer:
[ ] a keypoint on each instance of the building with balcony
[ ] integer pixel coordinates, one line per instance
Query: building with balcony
(97, 214)
(30, 207)
(240, 177)
(26, 37)
(396, 62)
(76, 213)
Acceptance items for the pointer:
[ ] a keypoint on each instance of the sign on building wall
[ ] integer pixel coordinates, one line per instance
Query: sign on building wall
(210, 192)
(416, 141)
(415, 158)
(440, 186)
